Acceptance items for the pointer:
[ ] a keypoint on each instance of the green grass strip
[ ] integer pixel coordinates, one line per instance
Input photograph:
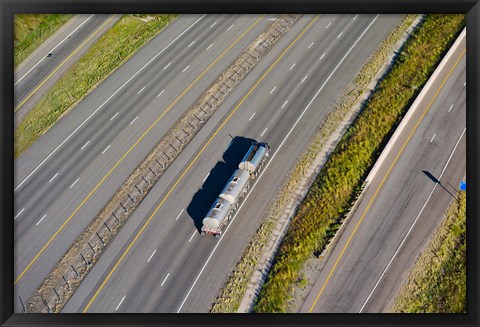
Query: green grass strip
(31, 30)
(333, 190)
(113, 49)
(437, 283)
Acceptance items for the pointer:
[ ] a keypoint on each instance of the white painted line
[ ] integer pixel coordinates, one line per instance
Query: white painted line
(339, 35)
(464, 83)
(414, 222)
(133, 120)
(114, 116)
(109, 98)
(271, 160)
(118, 306)
(106, 149)
(450, 108)
(53, 178)
(179, 214)
(264, 131)
(209, 46)
(191, 44)
(74, 183)
(310, 45)
(293, 66)
(84, 145)
(165, 280)
(252, 116)
(160, 93)
(433, 137)
(18, 214)
(303, 80)
(284, 104)
(273, 90)
(192, 236)
(228, 29)
(213, 24)
(143, 88)
(151, 255)
(41, 219)
(205, 177)
(183, 71)
(21, 78)
(328, 25)
(167, 65)
(323, 55)
(355, 17)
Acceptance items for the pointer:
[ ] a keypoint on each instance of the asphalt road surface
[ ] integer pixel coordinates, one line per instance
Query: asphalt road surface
(406, 209)
(65, 178)
(159, 262)
(37, 73)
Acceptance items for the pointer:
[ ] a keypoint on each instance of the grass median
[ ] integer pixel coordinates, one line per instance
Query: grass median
(437, 283)
(113, 49)
(333, 191)
(31, 30)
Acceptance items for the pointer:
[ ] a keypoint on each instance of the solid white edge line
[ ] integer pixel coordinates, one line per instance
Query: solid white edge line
(53, 178)
(118, 306)
(165, 280)
(151, 256)
(118, 90)
(41, 219)
(206, 178)
(270, 161)
(179, 214)
(18, 214)
(414, 222)
(21, 78)
(252, 116)
(106, 149)
(191, 237)
(74, 183)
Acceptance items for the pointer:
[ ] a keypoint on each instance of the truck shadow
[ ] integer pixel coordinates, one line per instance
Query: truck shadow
(203, 199)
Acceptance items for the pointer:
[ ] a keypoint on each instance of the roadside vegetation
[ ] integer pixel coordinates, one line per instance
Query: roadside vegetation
(437, 282)
(31, 30)
(113, 49)
(334, 189)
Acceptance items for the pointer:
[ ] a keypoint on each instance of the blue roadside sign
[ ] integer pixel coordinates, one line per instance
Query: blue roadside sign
(463, 186)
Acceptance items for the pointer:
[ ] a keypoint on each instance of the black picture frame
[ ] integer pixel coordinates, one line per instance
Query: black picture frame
(9, 7)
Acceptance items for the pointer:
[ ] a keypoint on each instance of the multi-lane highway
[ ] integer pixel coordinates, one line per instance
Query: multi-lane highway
(37, 73)
(69, 174)
(159, 262)
(404, 202)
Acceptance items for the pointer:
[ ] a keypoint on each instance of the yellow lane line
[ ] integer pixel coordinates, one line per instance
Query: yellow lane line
(131, 148)
(63, 62)
(383, 181)
(193, 161)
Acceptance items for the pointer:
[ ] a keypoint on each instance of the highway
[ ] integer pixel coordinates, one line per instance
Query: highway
(159, 262)
(37, 73)
(403, 203)
(66, 177)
